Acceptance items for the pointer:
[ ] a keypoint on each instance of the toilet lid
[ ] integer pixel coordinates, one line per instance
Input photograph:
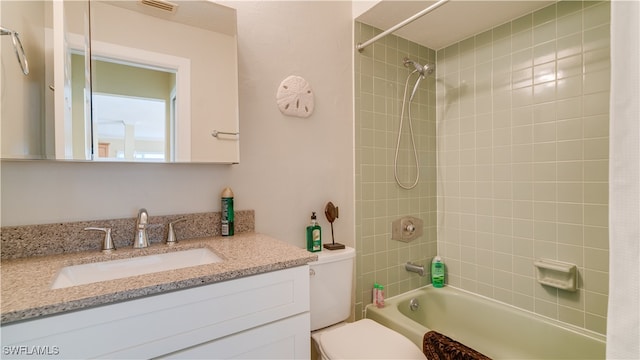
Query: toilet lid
(366, 339)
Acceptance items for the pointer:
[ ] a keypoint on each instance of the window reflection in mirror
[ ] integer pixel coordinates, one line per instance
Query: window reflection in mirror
(133, 119)
(130, 128)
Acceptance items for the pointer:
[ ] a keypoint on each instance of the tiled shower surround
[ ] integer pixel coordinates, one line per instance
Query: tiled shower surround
(522, 153)
(380, 82)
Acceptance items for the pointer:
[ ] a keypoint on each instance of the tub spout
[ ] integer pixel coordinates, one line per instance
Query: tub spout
(419, 269)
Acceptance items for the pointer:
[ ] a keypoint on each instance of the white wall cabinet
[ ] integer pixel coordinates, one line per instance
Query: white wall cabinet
(265, 316)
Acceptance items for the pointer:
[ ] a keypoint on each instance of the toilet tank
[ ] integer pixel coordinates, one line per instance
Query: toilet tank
(331, 281)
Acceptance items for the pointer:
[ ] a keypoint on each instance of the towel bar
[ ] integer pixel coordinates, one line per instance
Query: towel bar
(215, 133)
(17, 47)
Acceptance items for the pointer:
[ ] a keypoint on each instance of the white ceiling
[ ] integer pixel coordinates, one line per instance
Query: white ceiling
(451, 22)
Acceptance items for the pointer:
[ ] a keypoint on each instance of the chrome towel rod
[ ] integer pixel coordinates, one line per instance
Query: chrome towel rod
(361, 46)
(17, 46)
(215, 133)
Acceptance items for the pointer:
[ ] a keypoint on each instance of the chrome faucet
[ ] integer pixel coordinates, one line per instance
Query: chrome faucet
(411, 267)
(141, 239)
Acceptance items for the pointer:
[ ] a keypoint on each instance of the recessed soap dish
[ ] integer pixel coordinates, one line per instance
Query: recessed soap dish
(557, 274)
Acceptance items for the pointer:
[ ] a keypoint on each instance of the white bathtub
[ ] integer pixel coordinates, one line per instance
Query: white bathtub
(498, 330)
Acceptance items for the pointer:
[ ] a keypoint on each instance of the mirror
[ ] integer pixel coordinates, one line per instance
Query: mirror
(22, 97)
(163, 80)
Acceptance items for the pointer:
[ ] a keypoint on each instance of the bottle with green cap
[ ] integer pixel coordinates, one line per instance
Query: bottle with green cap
(379, 301)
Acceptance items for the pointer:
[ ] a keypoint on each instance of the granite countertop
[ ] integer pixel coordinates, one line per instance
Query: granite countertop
(26, 283)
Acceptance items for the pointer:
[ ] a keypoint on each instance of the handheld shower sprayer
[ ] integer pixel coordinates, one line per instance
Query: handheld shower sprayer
(422, 71)
(418, 68)
(429, 69)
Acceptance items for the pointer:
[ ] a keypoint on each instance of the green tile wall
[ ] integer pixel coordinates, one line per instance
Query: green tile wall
(523, 153)
(379, 81)
(519, 118)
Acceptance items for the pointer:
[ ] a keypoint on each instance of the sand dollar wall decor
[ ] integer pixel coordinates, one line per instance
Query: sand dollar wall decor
(295, 97)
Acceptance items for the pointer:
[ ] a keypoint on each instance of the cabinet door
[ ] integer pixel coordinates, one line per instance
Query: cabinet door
(284, 339)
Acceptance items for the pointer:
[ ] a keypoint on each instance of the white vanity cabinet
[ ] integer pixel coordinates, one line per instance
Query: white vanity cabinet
(260, 316)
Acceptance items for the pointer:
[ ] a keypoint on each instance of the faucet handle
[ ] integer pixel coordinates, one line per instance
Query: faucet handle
(171, 237)
(107, 244)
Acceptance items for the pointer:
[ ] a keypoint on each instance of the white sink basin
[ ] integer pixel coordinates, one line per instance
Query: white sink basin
(117, 269)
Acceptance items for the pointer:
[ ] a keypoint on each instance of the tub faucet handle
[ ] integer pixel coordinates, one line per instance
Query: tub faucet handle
(410, 228)
(172, 239)
(107, 243)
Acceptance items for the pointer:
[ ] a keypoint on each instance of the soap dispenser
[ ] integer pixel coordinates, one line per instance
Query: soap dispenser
(314, 235)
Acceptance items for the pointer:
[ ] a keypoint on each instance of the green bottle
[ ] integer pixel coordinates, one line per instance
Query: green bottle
(437, 272)
(227, 216)
(314, 235)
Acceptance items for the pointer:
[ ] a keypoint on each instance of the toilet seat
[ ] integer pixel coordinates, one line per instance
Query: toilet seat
(365, 339)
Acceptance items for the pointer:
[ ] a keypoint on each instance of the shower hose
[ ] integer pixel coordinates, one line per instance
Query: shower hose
(413, 142)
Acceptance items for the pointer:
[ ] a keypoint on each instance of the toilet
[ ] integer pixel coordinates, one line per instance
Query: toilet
(331, 280)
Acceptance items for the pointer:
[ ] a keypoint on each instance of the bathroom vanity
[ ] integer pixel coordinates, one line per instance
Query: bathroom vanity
(253, 303)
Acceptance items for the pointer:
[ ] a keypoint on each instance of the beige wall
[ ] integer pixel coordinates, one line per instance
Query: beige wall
(289, 166)
(523, 153)
(379, 82)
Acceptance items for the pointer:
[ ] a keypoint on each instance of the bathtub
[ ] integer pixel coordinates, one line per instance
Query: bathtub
(498, 330)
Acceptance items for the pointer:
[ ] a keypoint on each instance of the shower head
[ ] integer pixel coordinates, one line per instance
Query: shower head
(429, 69)
(408, 63)
(423, 70)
